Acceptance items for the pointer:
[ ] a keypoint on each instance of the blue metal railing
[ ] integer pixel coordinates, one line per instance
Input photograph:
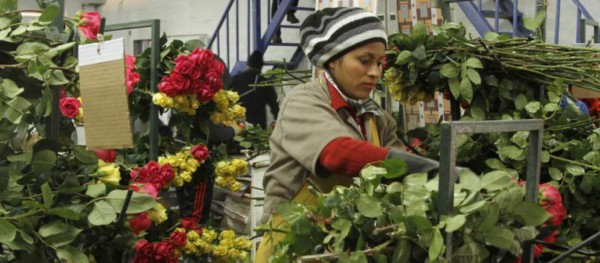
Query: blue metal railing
(503, 9)
(581, 22)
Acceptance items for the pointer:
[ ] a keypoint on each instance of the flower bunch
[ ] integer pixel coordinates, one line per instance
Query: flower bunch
(109, 172)
(70, 107)
(226, 246)
(227, 108)
(163, 251)
(131, 77)
(185, 162)
(551, 200)
(154, 174)
(195, 79)
(89, 24)
(227, 171)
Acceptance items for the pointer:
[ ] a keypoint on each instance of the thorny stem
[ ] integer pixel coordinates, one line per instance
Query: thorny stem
(574, 162)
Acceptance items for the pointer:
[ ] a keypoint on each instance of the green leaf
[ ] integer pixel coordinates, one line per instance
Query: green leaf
(510, 152)
(472, 207)
(454, 86)
(470, 181)
(470, 252)
(419, 33)
(47, 195)
(491, 80)
(494, 163)
(419, 52)
(71, 254)
(551, 107)
(533, 23)
(526, 233)
(62, 48)
(43, 160)
(449, 70)
(437, 246)
(403, 58)
(59, 234)
(500, 237)
(520, 102)
(533, 214)
(44, 106)
(102, 214)
(193, 44)
(15, 109)
(394, 167)
(31, 48)
(55, 77)
(95, 190)
(490, 218)
(533, 106)
(24, 157)
(474, 76)
(8, 231)
(477, 113)
(474, 63)
(53, 228)
(555, 174)
(593, 158)
(520, 138)
(495, 180)
(575, 169)
(401, 251)
(466, 90)
(65, 213)
(48, 14)
(368, 206)
(85, 156)
(455, 222)
(9, 89)
(139, 202)
(491, 36)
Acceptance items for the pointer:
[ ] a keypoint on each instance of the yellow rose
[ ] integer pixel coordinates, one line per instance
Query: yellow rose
(217, 118)
(110, 171)
(209, 235)
(221, 181)
(238, 111)
(242, 243)
(233, 96)
(219, 251)
(192, 236)
(158, 214)
(227, 234)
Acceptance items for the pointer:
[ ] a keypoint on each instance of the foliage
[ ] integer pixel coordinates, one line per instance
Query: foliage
(399, 222)
(502, 78)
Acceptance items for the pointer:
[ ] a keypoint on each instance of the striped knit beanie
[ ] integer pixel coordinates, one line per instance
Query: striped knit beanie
(332, 32)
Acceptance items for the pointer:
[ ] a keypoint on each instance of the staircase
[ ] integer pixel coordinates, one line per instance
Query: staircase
(256, 39)
(488, 20)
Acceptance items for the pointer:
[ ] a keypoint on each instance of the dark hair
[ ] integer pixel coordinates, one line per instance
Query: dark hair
(255, 60)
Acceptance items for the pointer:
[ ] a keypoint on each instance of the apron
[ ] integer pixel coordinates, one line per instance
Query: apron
(304, 196)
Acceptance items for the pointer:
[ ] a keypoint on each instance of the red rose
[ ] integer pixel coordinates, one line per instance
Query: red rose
(200, 152)
(198, 86)
(179, 82)
(145, 188)
(205, 56)
(140, 223)
(218, 67)
(153, 168)
(166, 173)
(63, 92)
(139, 244)
(178, 238)
(213, 77)
(131, 77)
(164, 251)
(188, 223)
(166, 86)
(69, 107)
(89, 24)
(108, 156)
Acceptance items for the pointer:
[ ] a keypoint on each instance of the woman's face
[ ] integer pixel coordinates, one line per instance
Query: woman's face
(357, 71)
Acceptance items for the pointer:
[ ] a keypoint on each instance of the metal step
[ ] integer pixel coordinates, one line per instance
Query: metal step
(501, 14)
(285, 44)
(290, 26)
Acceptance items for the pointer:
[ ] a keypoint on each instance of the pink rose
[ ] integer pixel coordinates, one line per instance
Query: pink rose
(166, 86)
(131, 77)
(69, 107)
(179, 82)
(196, 73)
(184, 67)
(205, 95)
(89, 24)
(140, 223)
(200, 152)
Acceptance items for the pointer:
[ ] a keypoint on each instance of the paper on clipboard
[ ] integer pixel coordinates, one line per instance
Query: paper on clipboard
(104, 97)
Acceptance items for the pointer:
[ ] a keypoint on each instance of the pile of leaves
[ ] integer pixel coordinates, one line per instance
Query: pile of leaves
(399, 222)
(502, 78)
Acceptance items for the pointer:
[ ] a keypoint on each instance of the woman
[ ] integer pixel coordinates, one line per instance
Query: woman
(329, 129)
